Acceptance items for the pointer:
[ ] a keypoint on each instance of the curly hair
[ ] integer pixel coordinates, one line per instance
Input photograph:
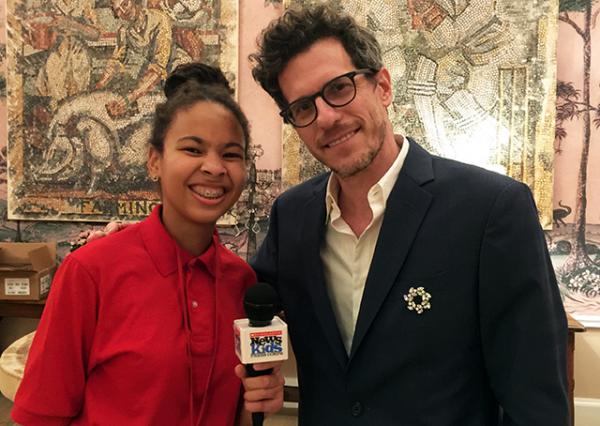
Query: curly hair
(297, 30)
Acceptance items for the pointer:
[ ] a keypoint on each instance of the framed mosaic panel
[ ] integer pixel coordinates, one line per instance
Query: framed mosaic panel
(83, 79)
(474, 80)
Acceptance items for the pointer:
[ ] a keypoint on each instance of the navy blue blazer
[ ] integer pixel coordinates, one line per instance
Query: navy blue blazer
(494, 338)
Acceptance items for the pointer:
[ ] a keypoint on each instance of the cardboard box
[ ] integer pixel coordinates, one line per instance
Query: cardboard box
(26, 270)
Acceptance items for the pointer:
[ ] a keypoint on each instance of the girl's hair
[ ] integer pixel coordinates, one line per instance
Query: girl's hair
(188, 84)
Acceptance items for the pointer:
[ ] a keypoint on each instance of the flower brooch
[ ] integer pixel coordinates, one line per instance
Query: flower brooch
(417, 299)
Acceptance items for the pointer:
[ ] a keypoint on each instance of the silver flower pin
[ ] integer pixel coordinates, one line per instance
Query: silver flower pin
(417, 299)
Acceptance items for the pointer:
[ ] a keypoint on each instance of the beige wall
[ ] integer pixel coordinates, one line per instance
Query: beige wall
(587, 364)
(258, 106)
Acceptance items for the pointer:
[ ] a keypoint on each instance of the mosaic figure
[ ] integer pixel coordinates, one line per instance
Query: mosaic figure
(86, 76)
(144, 52)
(68, 68)
(190, 18)
(472, 80)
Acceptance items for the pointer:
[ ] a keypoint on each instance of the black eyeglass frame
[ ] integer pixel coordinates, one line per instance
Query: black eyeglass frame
(285, 113)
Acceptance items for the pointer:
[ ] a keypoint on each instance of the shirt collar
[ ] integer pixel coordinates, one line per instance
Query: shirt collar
(385, 184)
(163, 248)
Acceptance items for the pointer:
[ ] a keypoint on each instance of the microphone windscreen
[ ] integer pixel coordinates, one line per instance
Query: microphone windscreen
(261, 303)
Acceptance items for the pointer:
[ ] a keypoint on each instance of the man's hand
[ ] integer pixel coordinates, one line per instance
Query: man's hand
(262, 393)
(110, 228)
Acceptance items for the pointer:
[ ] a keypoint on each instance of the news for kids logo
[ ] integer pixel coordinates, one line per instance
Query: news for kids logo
(266, 343)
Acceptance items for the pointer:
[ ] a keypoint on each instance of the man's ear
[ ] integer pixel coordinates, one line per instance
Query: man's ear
(153, 164)
(384, 84)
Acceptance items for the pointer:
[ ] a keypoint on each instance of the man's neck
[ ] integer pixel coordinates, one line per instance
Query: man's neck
(354, 190)
(355, 211)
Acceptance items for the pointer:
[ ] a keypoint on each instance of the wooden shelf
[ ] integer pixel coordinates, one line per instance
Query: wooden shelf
(22, 308)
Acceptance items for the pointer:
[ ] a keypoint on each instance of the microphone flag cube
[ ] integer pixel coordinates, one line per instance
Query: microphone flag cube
(261, 344)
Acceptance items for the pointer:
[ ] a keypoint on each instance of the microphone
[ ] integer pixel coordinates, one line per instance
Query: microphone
(262, 337)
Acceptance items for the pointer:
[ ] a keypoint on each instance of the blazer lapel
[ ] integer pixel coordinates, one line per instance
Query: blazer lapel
(312, 232)
(406, 207)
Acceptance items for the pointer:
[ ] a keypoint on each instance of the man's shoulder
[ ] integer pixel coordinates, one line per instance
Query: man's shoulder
(305, 190)
(454, 172)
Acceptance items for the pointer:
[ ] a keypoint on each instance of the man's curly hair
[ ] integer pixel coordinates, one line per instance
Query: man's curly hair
(298, 29)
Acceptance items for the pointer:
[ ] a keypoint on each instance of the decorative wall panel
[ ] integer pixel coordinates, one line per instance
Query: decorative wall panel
(83, 80)
(474, 81)
(574, 241)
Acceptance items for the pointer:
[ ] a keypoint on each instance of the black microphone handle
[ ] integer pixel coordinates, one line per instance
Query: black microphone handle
(257, 418)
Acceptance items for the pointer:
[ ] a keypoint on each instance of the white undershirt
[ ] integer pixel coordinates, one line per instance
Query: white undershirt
(347, 258)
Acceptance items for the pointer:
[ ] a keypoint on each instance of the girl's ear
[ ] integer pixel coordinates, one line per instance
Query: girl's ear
(153, 164)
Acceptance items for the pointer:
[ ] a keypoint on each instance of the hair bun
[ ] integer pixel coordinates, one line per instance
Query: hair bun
(197, 72)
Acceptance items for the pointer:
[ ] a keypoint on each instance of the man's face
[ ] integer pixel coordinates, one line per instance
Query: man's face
(347, 139)
(123, 9)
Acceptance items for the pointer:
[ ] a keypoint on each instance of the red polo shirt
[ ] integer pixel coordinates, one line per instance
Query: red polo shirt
(137, 332)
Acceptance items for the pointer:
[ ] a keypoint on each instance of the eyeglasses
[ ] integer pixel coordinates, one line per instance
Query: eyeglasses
(336, 93)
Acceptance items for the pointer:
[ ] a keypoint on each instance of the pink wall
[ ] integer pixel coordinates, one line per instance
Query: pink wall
(261, 110)
(566, 164)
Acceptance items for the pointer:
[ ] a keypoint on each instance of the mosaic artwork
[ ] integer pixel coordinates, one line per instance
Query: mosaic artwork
(10, 230)
(83, 79)
(474, 80)
(574, 241)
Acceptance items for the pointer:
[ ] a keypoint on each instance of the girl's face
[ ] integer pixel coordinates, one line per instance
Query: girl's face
(202, 168)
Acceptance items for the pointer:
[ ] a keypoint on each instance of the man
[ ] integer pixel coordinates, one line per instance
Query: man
(418, 290)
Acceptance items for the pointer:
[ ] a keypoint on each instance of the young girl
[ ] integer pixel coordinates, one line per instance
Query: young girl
(137, 329)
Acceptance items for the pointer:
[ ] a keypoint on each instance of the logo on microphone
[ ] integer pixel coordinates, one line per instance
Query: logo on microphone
(266, 343)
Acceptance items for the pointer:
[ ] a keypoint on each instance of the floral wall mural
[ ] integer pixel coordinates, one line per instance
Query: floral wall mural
(575, 238)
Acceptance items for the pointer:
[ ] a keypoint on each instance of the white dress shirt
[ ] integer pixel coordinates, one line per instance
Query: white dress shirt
(347, 258)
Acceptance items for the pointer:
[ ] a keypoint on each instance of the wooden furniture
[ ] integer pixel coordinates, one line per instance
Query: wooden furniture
(291, 394)
(22, 308)
(574, 327)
